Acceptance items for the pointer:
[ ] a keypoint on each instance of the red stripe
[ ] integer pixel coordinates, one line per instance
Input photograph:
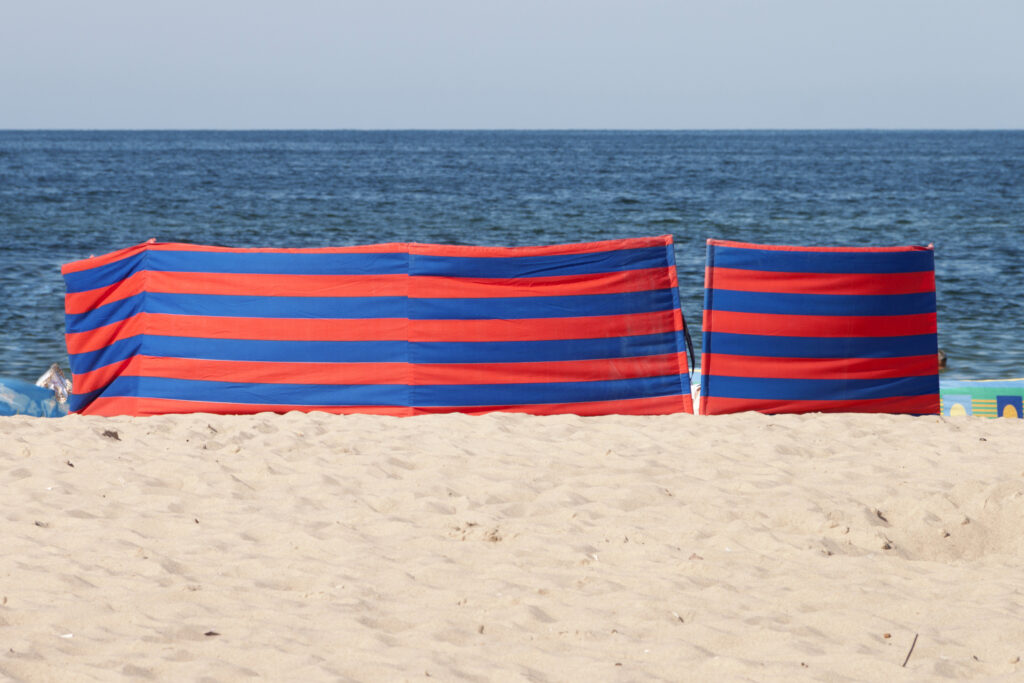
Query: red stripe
(540, 329)
(553, 371)
(818, 368)
(436, 249)
(216, 327)
(83, 302)
(639, 280)
(387, 248)
(780, 325)
(245, 372)
(550, 250)
(243, 284)
(373, 329)
(113, 406)
(86, 382)
(152, 245)
(382, 373)
(239, 284)
(914, 405)
(97, 261)
(660, 405)
(116, 405)
(786, 247)
(738, 279)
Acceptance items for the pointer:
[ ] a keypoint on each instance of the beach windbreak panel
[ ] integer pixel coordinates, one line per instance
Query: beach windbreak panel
(394, 329)
(805, 329)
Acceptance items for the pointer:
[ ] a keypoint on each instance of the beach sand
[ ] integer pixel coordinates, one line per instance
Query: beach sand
(508, 547)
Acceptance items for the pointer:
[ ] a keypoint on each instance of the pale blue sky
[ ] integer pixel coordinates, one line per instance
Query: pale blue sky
(511, 64)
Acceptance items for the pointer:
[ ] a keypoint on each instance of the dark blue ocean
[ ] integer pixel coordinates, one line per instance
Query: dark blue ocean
(67, 195)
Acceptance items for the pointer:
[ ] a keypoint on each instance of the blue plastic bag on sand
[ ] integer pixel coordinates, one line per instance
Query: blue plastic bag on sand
(18, 397)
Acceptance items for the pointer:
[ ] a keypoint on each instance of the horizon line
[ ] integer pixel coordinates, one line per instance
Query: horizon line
(506, 130)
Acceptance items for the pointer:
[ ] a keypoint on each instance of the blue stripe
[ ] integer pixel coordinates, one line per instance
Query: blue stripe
(105, 314)
(78, 401)
(119, 350)
(355, 308)
(817, 389)
(466, 395)
(543, 351)
(539, 266)
(233, 262)
(820, 347)
(823, 304)
(367, 264)
(392, 263)
(777, 261)
(222, 305)
(251, 350)
(384, 394)
(512, 308)
(377, 351)
(103, 276)
(256, 394)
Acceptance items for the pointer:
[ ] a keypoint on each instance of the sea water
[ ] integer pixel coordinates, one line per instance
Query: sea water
(68, 195)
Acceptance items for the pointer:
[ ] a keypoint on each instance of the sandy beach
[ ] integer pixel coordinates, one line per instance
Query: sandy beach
(509, 547)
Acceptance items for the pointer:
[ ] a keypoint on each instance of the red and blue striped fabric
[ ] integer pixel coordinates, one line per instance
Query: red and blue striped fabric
(807, 329)
(394, 329)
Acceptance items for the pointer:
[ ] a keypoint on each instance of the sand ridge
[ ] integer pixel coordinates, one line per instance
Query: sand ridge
(509, 547)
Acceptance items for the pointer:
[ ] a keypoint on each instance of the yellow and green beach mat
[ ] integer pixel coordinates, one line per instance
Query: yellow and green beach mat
(983, 398)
